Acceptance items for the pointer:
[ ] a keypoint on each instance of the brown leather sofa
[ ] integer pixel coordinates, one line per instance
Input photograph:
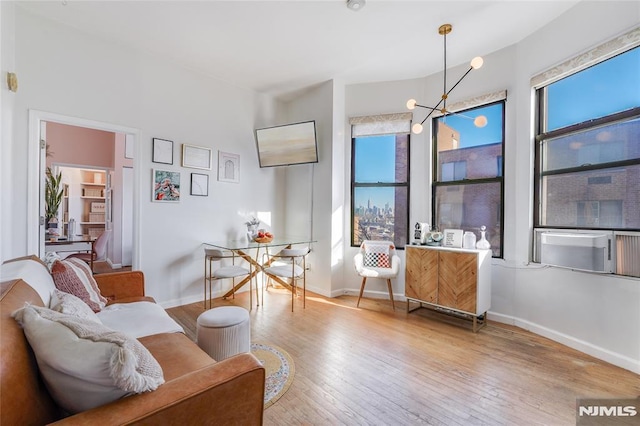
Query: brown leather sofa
(197, 389)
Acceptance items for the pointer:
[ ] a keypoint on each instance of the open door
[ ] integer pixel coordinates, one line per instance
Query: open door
(42, 129)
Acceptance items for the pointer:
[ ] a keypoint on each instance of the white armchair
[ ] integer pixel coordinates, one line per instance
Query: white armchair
(377, 259)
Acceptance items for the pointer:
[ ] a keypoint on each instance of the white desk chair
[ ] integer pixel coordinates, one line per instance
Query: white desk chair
(288, 264)
(232, 271)
(377, 259)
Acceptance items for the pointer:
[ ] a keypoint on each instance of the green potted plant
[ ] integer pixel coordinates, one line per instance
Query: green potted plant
(52, 197)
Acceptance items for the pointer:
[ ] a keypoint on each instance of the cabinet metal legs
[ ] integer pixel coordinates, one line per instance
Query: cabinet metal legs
(477, 321)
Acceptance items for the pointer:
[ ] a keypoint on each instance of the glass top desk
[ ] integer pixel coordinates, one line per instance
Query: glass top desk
(241, 248)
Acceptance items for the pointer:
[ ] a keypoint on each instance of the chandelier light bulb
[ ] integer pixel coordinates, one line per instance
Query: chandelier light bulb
(480, 121)
(411, 104)
(477, 62)
(417, 128)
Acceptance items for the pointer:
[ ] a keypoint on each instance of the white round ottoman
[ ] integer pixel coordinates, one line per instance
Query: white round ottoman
(224, 331)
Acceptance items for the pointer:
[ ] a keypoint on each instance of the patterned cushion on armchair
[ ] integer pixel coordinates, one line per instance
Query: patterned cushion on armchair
(377, 255)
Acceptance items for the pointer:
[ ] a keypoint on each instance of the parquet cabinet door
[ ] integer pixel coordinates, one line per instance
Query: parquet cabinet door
(457, 280)
(421, 274)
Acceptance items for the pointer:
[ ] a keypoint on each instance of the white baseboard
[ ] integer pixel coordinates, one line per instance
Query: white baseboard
(113, 265)
(577, 344)
(182, 301)
(368, 294)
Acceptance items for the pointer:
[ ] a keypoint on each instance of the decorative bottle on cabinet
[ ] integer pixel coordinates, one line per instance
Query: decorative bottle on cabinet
(469, 240)
(483, 244)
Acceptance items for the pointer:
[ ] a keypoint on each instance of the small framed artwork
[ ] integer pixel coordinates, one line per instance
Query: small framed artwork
(166, 186)
(162, 151)
(228, 167)
(452, 238)
(196, 157)
(199, 184)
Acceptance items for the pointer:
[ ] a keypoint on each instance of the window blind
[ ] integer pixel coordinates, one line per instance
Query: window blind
(382, 124)
(607, 50)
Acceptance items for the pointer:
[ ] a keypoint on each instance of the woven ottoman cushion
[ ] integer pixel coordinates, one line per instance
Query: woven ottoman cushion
(224, 331)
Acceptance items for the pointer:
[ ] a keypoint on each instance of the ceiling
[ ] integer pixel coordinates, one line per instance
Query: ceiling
(281, 47)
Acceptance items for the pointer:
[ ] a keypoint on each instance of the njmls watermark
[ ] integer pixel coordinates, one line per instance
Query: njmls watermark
(622, 411)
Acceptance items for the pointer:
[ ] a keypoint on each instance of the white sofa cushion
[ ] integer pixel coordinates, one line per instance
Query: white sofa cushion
(85, 364)
(34, 273)
(138, 319)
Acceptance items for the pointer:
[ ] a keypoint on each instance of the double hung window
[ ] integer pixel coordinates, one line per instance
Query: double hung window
(588, 147)
(468, 174)
(380, 179)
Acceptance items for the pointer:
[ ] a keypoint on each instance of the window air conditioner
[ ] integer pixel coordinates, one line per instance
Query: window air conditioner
(584, 252)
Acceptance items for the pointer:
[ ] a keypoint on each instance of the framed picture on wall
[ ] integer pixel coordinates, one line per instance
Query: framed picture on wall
(199, 184)
(196, 157)
(228, 167)
(166, 186)
(162, 151)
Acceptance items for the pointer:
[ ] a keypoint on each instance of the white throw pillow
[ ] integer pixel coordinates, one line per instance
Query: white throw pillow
(69, 304)
(85, 364)
(32, 271)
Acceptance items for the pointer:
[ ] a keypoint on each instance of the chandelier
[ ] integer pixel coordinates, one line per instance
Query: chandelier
(476, 63)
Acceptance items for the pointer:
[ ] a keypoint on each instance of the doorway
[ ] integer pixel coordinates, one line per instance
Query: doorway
(125, 158)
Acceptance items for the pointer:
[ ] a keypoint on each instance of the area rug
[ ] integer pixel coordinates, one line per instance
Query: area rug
(279, 369)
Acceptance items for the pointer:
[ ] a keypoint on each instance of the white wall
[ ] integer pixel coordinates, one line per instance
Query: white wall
(341, 267)
(597, 314)
(304, 215)
(74, 74)
(7, 101)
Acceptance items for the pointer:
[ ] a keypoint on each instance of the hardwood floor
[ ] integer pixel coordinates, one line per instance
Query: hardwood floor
(374, 366)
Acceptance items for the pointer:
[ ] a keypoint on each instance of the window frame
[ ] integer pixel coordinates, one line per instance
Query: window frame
(466, 181)
(355, 185)
(541, 136)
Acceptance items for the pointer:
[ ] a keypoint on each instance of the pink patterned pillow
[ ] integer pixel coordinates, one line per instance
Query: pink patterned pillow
(74, 276)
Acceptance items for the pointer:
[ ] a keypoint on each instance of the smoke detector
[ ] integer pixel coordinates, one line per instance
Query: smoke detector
(355, 4)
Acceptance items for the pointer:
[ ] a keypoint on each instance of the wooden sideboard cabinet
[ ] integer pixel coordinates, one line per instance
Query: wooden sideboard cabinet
(450, 280)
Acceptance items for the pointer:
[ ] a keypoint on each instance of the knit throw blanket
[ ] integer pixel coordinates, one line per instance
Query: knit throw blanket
(132, 366)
